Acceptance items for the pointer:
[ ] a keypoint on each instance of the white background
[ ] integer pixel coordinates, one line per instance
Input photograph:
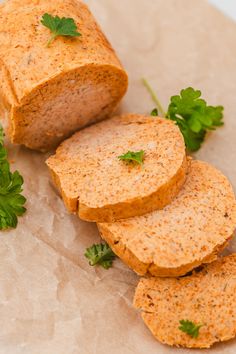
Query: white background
(227, 6)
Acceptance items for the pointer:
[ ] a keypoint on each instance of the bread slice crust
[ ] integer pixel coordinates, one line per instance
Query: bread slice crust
(190, 231)
(206, 297)
(96, 184)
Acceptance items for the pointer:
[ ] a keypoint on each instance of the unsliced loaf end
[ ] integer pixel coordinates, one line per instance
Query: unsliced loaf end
(100, 187)
(190, 231)
(77, 98)
(206, 297)
(52, 92)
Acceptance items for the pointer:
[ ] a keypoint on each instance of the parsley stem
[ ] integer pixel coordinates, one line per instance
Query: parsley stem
(51, 39)
(154, 97)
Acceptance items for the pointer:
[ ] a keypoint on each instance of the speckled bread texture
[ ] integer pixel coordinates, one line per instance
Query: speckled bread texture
(94, 182)
(51, 92)
(207, 297)
(190, 231)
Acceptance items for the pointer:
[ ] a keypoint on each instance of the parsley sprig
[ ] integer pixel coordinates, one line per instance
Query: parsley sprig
(154, 112)
(133, 156)
(100, 254)
(190, 328)
(11, 200)
(191, 113)
(155, 100)
(59, 27)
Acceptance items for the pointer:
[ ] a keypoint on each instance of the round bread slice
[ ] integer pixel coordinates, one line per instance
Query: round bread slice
(188, 232)
(205, 298)
(101, 187)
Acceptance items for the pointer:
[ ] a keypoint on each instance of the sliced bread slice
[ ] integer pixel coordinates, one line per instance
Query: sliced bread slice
(206, 298)
(188, 232)
(101, 187)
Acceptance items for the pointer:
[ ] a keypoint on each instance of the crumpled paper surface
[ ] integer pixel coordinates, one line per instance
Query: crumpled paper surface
(51, 300)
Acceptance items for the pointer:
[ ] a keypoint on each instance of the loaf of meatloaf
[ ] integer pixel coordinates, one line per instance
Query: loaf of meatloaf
(50, 92)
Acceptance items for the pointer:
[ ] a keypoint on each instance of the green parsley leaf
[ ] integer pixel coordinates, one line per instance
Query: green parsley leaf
(11, 200)
(59, 27)
(190, 328)
(192, 115)
(192, 140)
(154, 112)
(133, 156)
(100, 254)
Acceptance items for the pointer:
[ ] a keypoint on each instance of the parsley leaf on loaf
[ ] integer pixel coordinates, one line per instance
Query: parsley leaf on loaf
(59, 27)
(133, 156)
(190, 328)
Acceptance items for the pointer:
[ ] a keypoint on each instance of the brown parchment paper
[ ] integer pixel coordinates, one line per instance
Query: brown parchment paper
(51, 300)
